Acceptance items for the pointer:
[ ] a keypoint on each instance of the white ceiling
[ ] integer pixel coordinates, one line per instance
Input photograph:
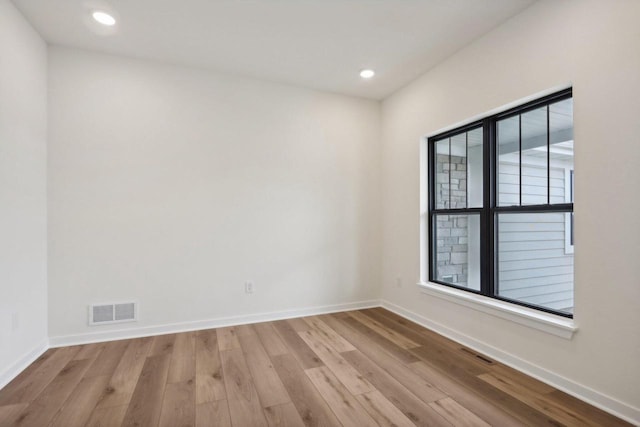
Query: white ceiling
(321, 44)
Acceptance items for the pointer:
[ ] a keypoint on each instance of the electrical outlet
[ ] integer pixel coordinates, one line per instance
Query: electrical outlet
(248, 287)
(398, 282)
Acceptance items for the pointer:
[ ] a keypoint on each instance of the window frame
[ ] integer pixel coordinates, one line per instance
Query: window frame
(569, 231)
(490, 210)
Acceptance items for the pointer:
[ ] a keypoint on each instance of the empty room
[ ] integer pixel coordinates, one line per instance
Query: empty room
(319, 213)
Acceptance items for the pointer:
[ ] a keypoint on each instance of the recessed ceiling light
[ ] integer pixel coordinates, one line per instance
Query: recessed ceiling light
(104, 18)
(367, 74)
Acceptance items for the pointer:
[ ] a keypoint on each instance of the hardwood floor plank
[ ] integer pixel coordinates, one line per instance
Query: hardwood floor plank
(457, 363)
(536, 401)
(162, 344)
(300, 350)
(342, 403)
(26, 374)
(451, 366)
(179, 404)
(399, 353)
(213, 414)
(227, 338)
(108, 359)
(77, 409)
(330, 336)
(457, 414)
(270, 339)
(346, 374)
(9, 414)
(9, 394)
(50, 400)
(132, 361)
(245, 330)
(244, 404)
(393, 336)
(312, 408)
(284, 415)
(425, 337)
(596, 415)
(407, 402)
(122, 383)
(395, 317)
(462, 369)
(298, 324)
(183, 358)
(522, 379)
(146, 401)
(265, 378)
(411, 330)
(184, 346)
(24, 389)
(383, 411)
(209, 380)
(468, 398)
(396, 369)
(107, 417)
(89, 351)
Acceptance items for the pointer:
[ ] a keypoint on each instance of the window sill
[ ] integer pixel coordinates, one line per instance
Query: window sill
(545, 322)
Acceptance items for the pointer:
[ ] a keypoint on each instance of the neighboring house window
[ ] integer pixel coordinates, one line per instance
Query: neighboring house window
(501, 205)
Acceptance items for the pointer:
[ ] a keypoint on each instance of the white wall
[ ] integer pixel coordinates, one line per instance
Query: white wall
(594, 46)
(173, 186)
(23, 190)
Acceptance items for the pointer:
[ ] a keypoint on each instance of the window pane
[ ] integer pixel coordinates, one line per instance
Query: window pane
(458, 169)
(474, 168)
(442, 174)
(458, 162)
(534, 157)
(533, 266)
(508, 136)
(561, 151)
(457, 259)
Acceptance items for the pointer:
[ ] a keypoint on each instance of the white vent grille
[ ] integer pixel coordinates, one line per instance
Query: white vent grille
(102, 313)
(99, 314)
(125, 311)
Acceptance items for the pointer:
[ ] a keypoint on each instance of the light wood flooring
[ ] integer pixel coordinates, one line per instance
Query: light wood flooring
(360, 368)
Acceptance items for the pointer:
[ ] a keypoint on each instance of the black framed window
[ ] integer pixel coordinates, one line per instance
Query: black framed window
(500, 220)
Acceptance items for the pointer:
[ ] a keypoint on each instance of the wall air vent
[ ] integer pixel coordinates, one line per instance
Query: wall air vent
(101, 314)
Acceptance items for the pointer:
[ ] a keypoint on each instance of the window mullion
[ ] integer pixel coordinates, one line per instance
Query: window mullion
(486, 256)
(520, 159)
(548, 158)
(449, 174)
(466, 159)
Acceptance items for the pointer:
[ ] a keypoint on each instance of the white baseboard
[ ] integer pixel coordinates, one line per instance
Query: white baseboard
(587, 394)
(21, 364)
(146, 331)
